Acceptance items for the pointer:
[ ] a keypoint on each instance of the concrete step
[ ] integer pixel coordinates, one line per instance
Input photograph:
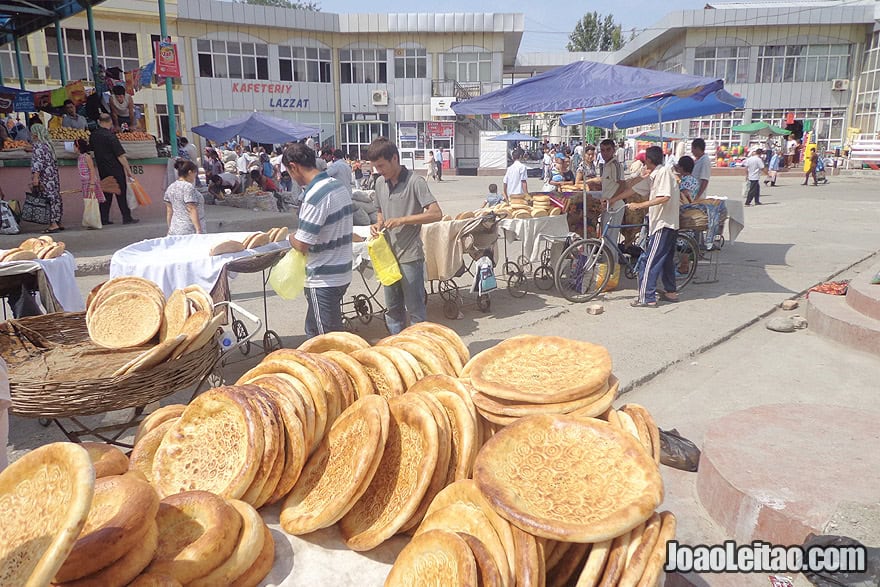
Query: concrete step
(834, 318)
(864, 297)
(820, 486)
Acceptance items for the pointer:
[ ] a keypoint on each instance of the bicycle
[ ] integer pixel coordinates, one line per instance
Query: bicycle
(585, 266)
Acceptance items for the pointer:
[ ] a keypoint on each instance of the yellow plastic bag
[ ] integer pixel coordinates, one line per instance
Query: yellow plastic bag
(384, 262)
(613, 279)
(289, 275)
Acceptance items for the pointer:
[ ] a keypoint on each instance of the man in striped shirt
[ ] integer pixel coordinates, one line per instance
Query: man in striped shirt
(324, 236)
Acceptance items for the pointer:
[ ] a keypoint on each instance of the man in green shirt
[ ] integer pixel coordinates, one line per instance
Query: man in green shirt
(405, 203)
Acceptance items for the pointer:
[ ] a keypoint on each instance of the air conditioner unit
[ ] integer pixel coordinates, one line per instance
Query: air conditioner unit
(380, 98)
(839, 85)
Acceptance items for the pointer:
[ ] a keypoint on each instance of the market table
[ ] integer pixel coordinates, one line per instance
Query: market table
(56, 281)
(175, 262)
(529, 231)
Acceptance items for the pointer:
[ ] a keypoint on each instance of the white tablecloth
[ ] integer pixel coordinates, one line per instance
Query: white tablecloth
(61, 274)
(174, 262)
(528, 231)
(735, 217)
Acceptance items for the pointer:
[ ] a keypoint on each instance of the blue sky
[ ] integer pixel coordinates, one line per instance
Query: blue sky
(547, 26)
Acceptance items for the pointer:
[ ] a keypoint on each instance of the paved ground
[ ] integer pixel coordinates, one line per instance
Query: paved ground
(690, 362)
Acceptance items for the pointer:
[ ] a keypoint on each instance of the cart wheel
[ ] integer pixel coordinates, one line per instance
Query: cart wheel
(516, 279)
(44, 422)
(484, 303)
(363, 308)
(450, 309)
(348, 324)
(271, 341)
(447, 290)
(543, 278)
(524, 264)
(546, 257)
(240, 331)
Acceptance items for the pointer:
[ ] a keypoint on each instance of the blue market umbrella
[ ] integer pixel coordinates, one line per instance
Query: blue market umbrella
(515, 136)
(656, 135)
(256, 127)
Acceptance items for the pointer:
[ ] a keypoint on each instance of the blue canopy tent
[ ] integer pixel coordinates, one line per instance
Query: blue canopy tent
(515, 136)
(584, 84)
(654, 110)
(656, 135)
(256, 127)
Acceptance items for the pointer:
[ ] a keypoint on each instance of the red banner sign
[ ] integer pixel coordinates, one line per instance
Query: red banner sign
(440, 129)
(167, 60)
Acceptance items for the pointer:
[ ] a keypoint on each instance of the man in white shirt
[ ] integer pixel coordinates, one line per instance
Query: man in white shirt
(620, 154)
(339, 169)
(754, 166)
(546, 165)
(702, 167)
(662, 230)
(516, 180)
(70, 118)
(438, 160)
(790, 147)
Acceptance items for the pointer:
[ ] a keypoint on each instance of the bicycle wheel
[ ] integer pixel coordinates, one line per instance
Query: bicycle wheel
(687, 255)
(583, 270)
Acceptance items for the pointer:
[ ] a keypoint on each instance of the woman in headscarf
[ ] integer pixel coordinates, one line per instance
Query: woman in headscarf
(44, 169)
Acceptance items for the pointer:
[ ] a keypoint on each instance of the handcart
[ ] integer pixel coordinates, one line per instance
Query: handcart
(67, 403)
(363, 307)
(262, 263)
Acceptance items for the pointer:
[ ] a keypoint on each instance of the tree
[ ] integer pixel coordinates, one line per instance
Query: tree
(595, 33)
(308, 5)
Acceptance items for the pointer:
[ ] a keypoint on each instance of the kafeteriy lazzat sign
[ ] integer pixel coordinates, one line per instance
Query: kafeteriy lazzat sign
(279, 94)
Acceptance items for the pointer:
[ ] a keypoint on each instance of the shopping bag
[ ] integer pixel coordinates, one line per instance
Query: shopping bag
(384, 262)
(91, 213)
(143, 198)
(289, 275)
(8, 225)
(36, 207)
(131, 199)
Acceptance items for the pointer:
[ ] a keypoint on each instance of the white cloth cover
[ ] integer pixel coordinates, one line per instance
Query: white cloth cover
(735, 218)
(528, 231)
(61, 274)
(174, 262)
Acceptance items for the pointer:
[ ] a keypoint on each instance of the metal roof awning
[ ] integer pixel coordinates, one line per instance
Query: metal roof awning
(19, 18)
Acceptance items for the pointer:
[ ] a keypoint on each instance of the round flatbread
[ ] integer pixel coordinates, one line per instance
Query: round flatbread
(435, 383)
(487, 571)
(357, 375)
(314, 365)
(45, 498)
(567, 568)
(382, 371)
(281, 234)
(144, 452)
(510, 371)
(431, 361)
(31, 244)
(657, 558)
(340, 471)
(296, 392)
(54, 251)
(269, 468)
(122, 511)
(152, 357)
(294, 443)
(406, 364)
(541, 474)
(408, 463)
(250, 545)
(226, 248)
(345, 342)
(198, 531)
(176, 312)
(260, 240)
(449, 334)
(262, 566)
(440, 558)
(215, 445)
(529, 566)
(591, 574)
(125, 320)
(107, 459)
(513, 409)
(463, 436)
(343, 382)
(155, 580)
(198, 323)
(125, 284)
(19, 256)
(640, 551)
(123, 571)
(439, 345)
(156, 417)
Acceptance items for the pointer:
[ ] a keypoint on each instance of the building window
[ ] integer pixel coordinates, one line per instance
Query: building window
(866, 115)
(363, 66)
(716, 129)
(9, 64)
(361, 129)
(162, 121)
(233, 60)
(410, 63)
(803, 63)
(468, 67)
(826, 124)
(114, 50)
(728, 63)
(304, 64)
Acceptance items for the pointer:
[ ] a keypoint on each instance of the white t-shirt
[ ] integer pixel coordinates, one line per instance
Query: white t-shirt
(620, 154)
(516, 174)
(612, 175)
(790, 146)
(754, 165)
(663, 215)
(548, 160)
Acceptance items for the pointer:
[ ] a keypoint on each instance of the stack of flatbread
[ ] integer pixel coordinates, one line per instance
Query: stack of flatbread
(252, 241)
(527, 375)
(130, 312)
(580, 495)
(41, 247)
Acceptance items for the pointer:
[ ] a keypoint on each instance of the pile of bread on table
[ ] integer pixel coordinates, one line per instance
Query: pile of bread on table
(557, 488)
(31, 249)
(537, 206)
(132, 312)
(252, 241)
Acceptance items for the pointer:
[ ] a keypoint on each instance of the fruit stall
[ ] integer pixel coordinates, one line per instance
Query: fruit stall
(140, 148)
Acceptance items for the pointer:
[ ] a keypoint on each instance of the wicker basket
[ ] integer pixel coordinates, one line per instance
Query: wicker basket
(263, 201)
(65, 399)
